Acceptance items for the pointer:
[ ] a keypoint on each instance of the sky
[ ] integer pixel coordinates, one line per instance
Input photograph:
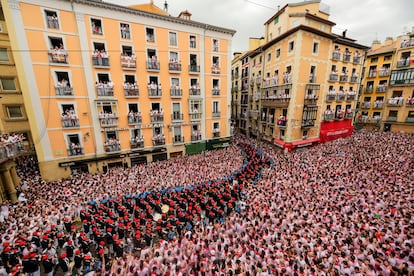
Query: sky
(364, 20)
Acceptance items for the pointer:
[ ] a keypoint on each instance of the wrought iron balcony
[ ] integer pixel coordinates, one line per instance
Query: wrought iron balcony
(131, 92)
(70, 122)
(176, 92)
(137, 142)
(75, 150)
(174, 67)
(107, 120)
(153, 65)
(64, 91)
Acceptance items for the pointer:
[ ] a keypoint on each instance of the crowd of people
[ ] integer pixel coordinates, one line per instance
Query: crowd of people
(339, 208)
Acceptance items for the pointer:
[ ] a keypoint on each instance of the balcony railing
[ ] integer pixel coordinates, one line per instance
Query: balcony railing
(131, 92)
(336, 55)
(137, 142)
(58, 56)
(343, 78)
(194, 68)
(216, 114)
(134, 118)
(341, 96)
(350, 97)
(98, 61)
(215, 69)
(311, 99)
(174, 66)
(107, 120)
(354, 79)
(382, 88)
(333, 77)
(154, 92)
(330, 97)
(395, 101)
(369, 89)
(403, 63)
(349, 114)
(277, 101)
(215, 91)
(156, 117)
(158, 141)
(372, 73)
(70, 122)
(410, 102)
(392, 118)
(196, 137)
(366, 104)
(104, 90)
(128, 62)
(347, 57)
(153, 65)
(356, 60)
(328, 116)
(378, 105)
(409, 120)
(216, 133)
(177, 116)
(11, 150)
(176, 92)
(178, 139)
(75, 150)
(383, 72)
(112, 146)
(195, 116)
(308, 123)
(195, 91)
(234, 89)
(64, 91)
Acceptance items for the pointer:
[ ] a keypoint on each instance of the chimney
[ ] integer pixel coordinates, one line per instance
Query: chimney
(375, 44)
(389, 40)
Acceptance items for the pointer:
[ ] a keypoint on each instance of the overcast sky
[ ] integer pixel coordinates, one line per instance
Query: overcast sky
(365, 20)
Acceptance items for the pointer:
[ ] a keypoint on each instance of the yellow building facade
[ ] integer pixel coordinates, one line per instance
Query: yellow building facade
(303, 80)
(107, 85)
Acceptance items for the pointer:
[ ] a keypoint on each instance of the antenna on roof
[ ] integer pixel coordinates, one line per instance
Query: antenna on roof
(166, 6)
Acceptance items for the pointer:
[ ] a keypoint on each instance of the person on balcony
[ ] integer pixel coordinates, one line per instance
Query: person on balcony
(281, 121)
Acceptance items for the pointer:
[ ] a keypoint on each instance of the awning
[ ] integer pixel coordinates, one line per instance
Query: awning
(305, 143)
(279, 143)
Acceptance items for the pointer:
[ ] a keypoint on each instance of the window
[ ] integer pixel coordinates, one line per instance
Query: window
(172, 37)
(193, 41)
(52, 20)
(14, 112)
(389, 57)
(278, 53)
(276, 20)
(315, 47)
(125, 31)
(150, 34)
(269, 57)
(216, 111)
(215, 45)
(8, 84)
(4, 56)
(291, 46)
(96, 26)
(127, 50)
(402, 77)
(282, 134)
(374, 59)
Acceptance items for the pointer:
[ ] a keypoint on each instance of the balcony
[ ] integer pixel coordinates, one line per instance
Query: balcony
(259, 81)
(134, 118)
(178, 139)
(333, 77)
(104, 90)
(354, 79)
(215, 91)
(100, 61)
(356, 59)
(347, 57)
(58, 56)
(215, 69)
(372, 73)
(196, 137)
(156, 117)
(308, 123)
(153, 65)
(331, 97)
(108, 119)
(392, 118)
(409, 120)
(194, 69)
(343, 78)
(369, 89)
(378, 105)
(70, 122)
(382, 88)
(366, 105)
(64, 91)
(195, 91)
(137, 142)
(177, 116)
(281, 121)
(132, 92)
(336, 55)
(349, 114)
(154, 92)
(384, 72)
(158, 140)
(174, 67)
(128, 62)
(75, 150)
(195, 116)
(112, 146)
(216, 114)
(350, 97)
(216, 133)
(403, 63)
(311, 99)
(276, 101)
(176, 92)
(11, 150)
(234, 89)
(341, 96)
(410, 102)
(397, 101)
(328, 116)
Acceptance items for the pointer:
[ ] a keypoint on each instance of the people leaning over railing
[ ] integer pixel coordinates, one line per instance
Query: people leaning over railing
(11, 145)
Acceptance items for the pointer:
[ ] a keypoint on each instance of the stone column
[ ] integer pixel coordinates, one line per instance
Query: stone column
(9, 186)
(15, 177)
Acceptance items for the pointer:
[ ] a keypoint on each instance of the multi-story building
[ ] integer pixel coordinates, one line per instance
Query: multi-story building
(15, 138)
(375, 83)
(398, 112)
(303, 79)
(106, 85)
